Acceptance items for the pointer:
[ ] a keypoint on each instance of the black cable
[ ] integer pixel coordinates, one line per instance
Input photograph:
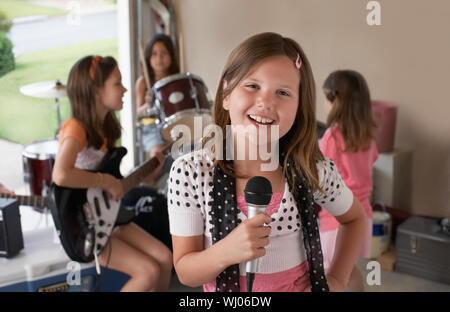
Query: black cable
(250, 279)
(99, 280)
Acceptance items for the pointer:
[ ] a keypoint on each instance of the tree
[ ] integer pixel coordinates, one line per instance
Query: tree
(6, 54)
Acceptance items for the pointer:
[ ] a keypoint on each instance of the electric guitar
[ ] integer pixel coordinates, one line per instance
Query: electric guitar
(85, 218)
(39, 203)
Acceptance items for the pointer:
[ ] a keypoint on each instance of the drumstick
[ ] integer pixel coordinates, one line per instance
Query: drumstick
(181, 53)
(144, 66)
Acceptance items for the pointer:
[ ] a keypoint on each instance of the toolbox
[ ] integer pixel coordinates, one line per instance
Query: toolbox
(423, 249)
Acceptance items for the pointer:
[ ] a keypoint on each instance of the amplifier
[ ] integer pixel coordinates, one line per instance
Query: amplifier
(11, 239)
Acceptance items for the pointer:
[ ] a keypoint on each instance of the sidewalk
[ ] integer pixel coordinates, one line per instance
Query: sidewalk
(11, 175)
(11, 167)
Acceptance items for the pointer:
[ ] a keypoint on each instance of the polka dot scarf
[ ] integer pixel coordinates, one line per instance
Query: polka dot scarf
(224, 218)
(311, 237)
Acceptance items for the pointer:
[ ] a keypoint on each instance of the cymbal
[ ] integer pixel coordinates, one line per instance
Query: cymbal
(45, 89)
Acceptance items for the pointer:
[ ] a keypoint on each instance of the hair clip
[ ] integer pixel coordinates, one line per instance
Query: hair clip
(298, 62)
(94, 65)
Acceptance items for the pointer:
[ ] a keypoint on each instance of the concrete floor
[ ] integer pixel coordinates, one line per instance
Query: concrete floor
(11, 167)
(395, 281)
(390, 282)
(11, 175)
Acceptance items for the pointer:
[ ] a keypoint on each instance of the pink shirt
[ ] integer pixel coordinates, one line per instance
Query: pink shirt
(354, 167)
(274, 282)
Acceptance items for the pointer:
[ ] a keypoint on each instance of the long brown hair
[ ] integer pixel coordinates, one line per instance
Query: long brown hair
(167, 41)
(82, 90)
(351, 108)
(299, 145)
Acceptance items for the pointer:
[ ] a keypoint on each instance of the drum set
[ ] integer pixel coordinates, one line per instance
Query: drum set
(180, 99)
(177, 100)
(39, 157)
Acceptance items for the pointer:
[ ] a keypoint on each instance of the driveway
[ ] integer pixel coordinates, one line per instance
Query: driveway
(47, 33)
(97, 20)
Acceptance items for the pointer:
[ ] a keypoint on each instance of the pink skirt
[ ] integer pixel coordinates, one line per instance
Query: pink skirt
(274, 282)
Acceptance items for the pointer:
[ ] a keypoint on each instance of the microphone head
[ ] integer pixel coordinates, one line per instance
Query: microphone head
(258, 191)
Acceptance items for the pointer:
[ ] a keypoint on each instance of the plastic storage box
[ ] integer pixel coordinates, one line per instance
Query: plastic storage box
(385, 114)
(43, 266)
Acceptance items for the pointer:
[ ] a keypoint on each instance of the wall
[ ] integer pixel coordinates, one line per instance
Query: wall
(405, 60)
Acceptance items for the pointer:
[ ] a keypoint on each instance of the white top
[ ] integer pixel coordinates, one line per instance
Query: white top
(190, 184)
(89, 158)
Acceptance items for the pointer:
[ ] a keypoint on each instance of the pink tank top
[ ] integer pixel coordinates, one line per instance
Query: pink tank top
(276, 282)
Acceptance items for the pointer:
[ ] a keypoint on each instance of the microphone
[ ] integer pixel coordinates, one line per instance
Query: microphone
(258, 193)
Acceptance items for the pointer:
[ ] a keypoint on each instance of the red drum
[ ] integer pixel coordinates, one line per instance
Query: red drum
(38, 160)
(179, 99)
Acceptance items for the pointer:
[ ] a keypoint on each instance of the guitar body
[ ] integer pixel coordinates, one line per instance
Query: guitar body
(85, 218)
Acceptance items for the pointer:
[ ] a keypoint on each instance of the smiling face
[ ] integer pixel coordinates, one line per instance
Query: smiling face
(111, 94)
(268, 95)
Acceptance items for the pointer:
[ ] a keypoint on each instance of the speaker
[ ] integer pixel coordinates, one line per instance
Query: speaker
(11, 238)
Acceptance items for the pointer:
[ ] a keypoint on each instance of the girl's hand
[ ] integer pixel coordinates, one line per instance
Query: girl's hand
(155, 151)
(141, 110)
(247, 241)
(333, 284)
(147, 99)
(112, 186)
(4, 190)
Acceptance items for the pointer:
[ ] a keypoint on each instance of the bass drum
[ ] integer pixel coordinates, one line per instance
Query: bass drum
(182, 99)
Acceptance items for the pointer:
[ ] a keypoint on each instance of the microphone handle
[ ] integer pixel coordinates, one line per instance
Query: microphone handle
(252, 210)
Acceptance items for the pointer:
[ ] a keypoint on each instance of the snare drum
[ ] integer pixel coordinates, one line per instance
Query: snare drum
(179, 99)
(38, 160)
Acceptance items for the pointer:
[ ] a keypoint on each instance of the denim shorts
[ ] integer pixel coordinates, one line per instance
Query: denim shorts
(151, 136)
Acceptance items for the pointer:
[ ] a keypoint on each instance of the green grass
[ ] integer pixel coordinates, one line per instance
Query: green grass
(24, 119)
(20, 8)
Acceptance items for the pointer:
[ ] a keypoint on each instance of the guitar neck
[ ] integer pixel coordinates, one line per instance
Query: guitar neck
(32, 200)
(141, 172)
